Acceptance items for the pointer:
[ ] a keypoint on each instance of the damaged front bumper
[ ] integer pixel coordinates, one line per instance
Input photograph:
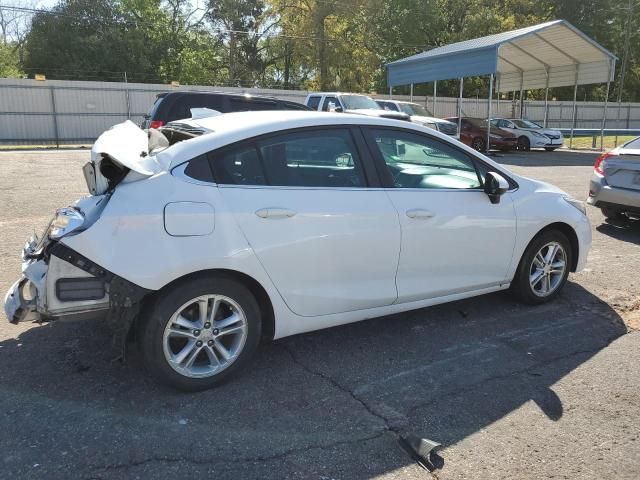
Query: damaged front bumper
(58, 282)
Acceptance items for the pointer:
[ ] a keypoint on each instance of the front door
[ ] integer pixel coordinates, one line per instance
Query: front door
(328, 243)
(454, 239)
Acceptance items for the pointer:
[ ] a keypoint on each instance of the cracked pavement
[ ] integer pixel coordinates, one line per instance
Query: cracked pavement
(510, 391)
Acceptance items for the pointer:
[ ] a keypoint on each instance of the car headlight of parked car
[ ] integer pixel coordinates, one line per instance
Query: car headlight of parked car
(495, 137)
(66, 221)
(576, 203)
(540, 135)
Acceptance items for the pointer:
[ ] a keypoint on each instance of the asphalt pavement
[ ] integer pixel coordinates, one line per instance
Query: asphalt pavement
(510, 391)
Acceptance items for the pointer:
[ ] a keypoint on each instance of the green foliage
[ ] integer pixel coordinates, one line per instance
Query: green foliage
(317, 44)
(10, 61)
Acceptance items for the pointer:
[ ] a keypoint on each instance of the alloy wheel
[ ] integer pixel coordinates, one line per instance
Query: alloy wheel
(547, 269)
(204, 336)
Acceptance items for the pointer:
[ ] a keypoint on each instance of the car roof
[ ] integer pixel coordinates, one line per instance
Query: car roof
(213, 93)
(338, 93)
(233, 127)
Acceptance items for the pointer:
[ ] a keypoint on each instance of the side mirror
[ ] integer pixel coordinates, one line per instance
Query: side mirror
(495, 185)
(338, 109)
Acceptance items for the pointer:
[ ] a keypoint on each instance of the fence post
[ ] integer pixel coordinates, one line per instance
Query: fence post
(54, 116)
(126, 93)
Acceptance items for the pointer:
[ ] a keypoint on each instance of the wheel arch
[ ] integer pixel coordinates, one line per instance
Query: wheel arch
(261, 295)
(571, 235)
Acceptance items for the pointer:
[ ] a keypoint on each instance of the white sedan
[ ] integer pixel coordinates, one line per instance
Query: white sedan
(214, 233)
(530, 134)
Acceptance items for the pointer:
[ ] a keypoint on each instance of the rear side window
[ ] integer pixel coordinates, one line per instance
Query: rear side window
(198, 168)
(321, 158)
(250, 104)
(182, 105)
(285, 105)
(237, 166)
(313, 102)
(389, 106)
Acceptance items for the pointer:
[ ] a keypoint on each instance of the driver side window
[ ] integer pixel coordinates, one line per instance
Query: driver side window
(417, 161)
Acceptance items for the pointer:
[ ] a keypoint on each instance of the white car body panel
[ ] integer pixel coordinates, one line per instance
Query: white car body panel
(344, 255)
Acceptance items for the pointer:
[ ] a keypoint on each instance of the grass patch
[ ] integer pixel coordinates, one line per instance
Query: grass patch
(587, 142)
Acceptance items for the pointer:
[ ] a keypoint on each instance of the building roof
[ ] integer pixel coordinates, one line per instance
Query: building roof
(522, 57)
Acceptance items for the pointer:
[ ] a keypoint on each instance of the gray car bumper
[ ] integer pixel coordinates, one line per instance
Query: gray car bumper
(603, 195)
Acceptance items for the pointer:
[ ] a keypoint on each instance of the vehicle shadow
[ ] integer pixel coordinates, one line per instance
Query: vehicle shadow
(542, 158)
(328, 403)
(624, 230)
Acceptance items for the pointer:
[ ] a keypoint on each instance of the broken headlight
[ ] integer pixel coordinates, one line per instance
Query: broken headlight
(66, 221)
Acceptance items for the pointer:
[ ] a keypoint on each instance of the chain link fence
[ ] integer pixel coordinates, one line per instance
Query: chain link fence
(62, 112)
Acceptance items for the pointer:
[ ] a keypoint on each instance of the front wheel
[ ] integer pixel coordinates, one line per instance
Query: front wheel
(543, 269)
(524, 144)
(478, 144)
(200, 333)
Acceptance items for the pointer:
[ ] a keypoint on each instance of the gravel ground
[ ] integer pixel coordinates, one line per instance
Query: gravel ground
(510, 391)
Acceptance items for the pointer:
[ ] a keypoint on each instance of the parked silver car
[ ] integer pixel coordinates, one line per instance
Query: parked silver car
(615, 184)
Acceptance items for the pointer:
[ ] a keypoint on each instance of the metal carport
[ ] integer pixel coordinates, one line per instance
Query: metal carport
(552, 54)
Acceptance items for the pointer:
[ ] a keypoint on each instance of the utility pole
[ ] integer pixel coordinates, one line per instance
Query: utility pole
(625, 60)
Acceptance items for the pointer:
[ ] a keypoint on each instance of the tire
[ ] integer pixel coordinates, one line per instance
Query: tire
(550, 149)
(612, 213)
(524, 144)
(164, 335)
(478, 144)
(522, 287)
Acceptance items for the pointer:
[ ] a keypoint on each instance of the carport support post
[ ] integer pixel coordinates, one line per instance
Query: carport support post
(411, 93)
(546, 101)
(435, 90)
(604, 113)
(460, 107)
(390, 93)
(521, 90)
(574, 111)
(489, 118)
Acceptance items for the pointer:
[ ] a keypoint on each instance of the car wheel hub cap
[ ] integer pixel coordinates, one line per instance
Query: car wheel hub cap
(204, 336)
(547, 269)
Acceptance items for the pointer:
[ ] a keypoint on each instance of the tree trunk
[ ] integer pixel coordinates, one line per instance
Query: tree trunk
(321, 15)
(287, 64)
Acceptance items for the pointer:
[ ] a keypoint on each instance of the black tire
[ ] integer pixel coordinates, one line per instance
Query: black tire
(524, 144)
(478, 144)
(612, 213)
(521, 287)
(550, 149)
(167, 303)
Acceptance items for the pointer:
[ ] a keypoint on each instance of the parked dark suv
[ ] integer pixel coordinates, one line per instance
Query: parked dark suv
(172, 106)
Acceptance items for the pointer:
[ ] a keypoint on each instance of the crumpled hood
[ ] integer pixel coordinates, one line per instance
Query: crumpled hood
(127, 144)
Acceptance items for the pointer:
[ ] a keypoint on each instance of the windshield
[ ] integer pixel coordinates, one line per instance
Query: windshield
(414, 109)
(526, 124)
(359, 102)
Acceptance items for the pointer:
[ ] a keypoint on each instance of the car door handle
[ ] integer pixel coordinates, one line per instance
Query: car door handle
(274, 212)
(419, 213)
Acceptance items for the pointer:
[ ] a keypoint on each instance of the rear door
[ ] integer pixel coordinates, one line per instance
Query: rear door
(328, 241)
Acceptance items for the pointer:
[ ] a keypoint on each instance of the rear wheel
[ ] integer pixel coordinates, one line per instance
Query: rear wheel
(200, 333)
(612, 213)
(543, 269)
(524, 144)
(478, 144)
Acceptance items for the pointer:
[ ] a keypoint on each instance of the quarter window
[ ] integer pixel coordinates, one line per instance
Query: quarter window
(326, 158)
(313, 102)
(237, 166)
(417, 161)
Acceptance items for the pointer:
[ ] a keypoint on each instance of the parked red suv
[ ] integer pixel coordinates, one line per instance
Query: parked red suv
(473, 132)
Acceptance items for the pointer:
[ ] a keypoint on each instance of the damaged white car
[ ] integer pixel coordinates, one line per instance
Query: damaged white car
(214, 233)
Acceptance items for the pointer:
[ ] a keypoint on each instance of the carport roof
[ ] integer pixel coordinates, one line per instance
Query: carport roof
(520, 58)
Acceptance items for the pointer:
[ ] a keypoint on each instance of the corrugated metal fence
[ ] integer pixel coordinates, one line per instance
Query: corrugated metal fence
(61, 112)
